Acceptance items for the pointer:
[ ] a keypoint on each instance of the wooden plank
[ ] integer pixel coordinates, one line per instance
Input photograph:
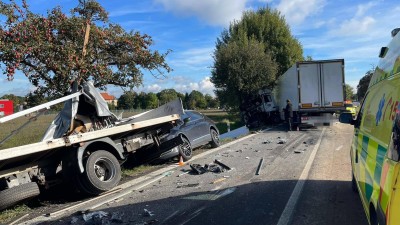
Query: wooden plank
(73, 139)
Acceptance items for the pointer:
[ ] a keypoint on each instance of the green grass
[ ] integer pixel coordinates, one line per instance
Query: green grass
(222, 118)
(128, 172)
(31, 133)
(8, 215)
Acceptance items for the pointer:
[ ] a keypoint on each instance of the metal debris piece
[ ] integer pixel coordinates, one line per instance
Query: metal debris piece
(148, 213)
(198, 169)
(221, 164)
(214, 168)
(240, 151)
(189, 185)
(267, 142)
(259, 166)
(183, 173)
(297, 151)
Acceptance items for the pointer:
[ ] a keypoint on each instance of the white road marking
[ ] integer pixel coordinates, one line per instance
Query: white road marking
(338, 148)
(287, 213)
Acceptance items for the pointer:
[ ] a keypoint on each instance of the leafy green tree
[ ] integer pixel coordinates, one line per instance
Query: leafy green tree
(151, 101)
(167, 95)
(349, 92)
(33, 100)
(127, 100)
(363, 84)
(186, 101)
(211, 102)
(197, 100)
(251, 54)
(49, 49)
(241, 69)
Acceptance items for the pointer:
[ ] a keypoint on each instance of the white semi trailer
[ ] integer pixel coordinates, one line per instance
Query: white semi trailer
(315, 88)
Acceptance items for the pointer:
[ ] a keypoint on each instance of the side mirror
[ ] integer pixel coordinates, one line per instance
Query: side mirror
(346, 117)
(186, 120)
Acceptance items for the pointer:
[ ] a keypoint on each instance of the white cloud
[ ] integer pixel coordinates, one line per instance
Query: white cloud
(153, 88)
(363, 8)
(214, 12)
(296, 11)
(204, 86)
(355, 26)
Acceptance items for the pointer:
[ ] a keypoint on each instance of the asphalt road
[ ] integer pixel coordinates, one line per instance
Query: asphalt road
(305, 178)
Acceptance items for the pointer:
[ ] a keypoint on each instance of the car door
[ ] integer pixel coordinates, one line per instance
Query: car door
(202, 129)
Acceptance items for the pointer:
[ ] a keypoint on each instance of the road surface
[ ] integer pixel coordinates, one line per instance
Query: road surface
(305, 178)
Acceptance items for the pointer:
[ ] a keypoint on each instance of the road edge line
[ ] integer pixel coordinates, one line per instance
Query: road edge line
(287, 214)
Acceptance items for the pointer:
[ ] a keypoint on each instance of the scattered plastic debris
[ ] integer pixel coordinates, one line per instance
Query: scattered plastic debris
(247, 157)
(218, 180)
(95, 217)
(148, 213)
(298, 151)
(281, 141)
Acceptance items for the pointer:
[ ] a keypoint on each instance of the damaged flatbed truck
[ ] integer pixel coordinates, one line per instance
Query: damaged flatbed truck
(85, 145)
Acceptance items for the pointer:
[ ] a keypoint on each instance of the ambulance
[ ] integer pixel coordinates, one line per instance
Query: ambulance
(375, 150)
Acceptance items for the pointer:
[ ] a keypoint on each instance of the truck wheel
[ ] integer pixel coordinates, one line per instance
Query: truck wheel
(12, 196)
(102, 173)
(214, 138)
(185, 150)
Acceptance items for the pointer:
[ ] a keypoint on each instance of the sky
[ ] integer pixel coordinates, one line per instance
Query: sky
(327, 29)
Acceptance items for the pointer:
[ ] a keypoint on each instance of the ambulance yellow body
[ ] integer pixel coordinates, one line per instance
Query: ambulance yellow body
(375, 151)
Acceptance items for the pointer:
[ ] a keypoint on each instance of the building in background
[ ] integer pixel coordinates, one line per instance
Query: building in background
(6, 107)
(110, 99)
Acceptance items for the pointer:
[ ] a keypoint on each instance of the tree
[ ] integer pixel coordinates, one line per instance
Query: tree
(167, 95)
(127, 100)
(211, 102)
(197, 100)
(151, 101)
(363, 84)
(349, 92)
(48, 49)
(251, 54)
(241, 69)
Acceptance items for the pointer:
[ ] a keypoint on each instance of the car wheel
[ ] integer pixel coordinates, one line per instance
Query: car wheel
(214, 138)
(185, 150)
(102, 173)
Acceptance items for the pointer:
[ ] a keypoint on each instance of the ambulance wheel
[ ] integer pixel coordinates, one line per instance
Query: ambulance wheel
(354, 184)
(12, 196)
(102, 173)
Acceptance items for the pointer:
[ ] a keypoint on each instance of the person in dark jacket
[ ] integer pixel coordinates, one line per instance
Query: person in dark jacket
(289, 114)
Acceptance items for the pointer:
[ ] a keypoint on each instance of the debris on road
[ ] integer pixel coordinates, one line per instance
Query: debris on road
(247, 157)
(197, 168)
(281, 141)
(74, 220)
(94, 217)
(148, 213)
(189, 185)
(218, 180)
(221, 164)
(186, 172)
(259, 166)
(267, 142)
(298, 151)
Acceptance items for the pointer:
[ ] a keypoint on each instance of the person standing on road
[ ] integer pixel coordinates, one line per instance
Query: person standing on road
(289, 114)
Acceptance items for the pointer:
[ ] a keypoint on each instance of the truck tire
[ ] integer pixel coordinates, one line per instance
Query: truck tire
(185, 149)
(12, 196)
(214, 138)
(102, 173)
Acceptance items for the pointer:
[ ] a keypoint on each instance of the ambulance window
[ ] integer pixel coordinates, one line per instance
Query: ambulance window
(394, 146)
(360, 113)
